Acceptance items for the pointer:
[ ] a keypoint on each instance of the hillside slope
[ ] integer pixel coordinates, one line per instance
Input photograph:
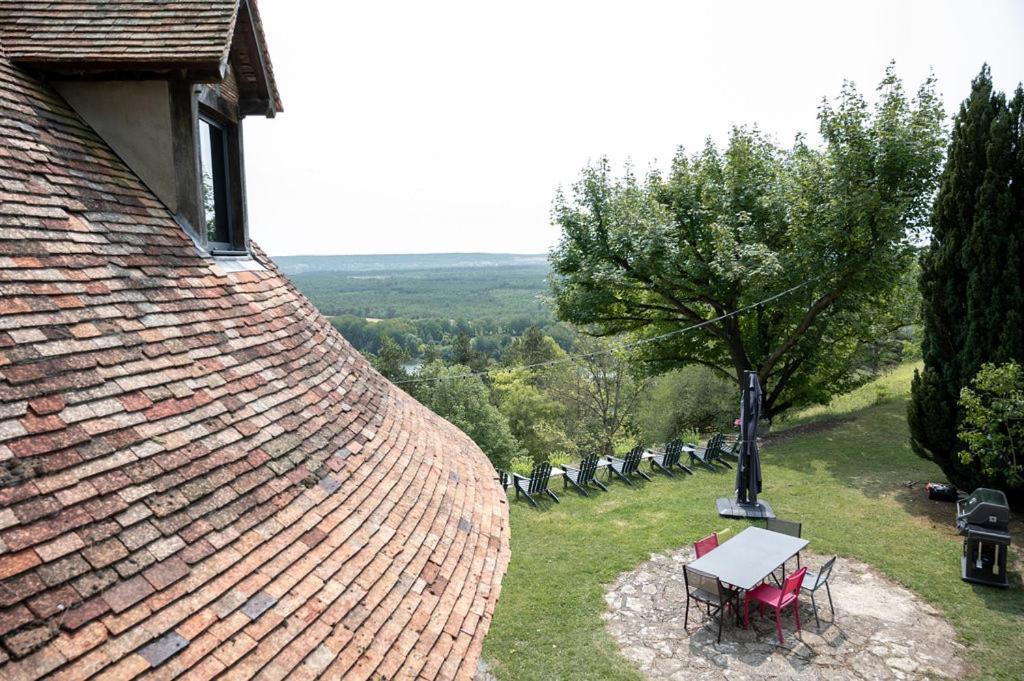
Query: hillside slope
(842, 472)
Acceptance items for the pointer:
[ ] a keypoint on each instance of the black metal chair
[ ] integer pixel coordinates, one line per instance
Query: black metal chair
(627, 465)
(814, 581)
(709, 591)
(789, 527)
(583, 476)
(701, 454)
(664, 461)
(535, 485)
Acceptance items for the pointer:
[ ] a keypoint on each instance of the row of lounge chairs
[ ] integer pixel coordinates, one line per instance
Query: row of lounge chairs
(583, 476)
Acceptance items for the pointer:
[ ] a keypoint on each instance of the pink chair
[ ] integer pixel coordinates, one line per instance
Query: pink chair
(766, 594)
(706, 544)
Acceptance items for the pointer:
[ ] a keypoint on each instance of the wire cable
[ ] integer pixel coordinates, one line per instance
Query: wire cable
(623, 346)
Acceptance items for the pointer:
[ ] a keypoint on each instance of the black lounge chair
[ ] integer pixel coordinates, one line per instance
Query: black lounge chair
(583, 476)
(664, 461)
(535, 485)
(504, 478)
(708, 590)
(725, 448)
(702, 455)
(628, 465)
(720, 450)
(715, 452)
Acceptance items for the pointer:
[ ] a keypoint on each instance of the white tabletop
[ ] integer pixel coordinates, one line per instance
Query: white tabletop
(749, 557)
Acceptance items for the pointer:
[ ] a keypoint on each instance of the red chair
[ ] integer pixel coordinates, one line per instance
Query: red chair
(706, 544)
(766, 594)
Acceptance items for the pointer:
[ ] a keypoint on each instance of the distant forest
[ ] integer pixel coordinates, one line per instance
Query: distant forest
(421, 301)
(450, 287)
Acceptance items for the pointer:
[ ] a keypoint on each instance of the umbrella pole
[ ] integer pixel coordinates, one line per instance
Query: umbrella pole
(743, 466)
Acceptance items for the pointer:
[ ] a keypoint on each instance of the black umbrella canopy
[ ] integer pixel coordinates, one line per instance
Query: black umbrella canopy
(748, 472)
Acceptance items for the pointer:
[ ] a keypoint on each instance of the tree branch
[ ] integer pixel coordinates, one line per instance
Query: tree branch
(813, 312)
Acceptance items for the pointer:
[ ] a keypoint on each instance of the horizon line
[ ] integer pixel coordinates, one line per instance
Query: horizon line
(378, 255)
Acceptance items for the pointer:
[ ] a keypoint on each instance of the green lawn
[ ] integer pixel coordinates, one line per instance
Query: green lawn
(840, 470)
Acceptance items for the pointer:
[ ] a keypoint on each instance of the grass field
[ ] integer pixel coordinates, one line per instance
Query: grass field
(839, 469)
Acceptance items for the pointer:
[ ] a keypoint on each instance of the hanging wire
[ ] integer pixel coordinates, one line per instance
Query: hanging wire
(623, 346)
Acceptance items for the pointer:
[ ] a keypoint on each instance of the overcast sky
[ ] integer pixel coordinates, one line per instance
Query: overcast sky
(416, 127)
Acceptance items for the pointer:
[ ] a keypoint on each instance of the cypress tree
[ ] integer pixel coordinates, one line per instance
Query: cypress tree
(1015, 242)
(971, 286)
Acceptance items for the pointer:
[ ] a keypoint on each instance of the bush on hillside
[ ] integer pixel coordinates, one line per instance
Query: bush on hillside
(534, 417)
(466, 402)
(690, 399)
(993, 426)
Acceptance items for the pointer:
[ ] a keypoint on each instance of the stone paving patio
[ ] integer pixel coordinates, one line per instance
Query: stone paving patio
(881, 630)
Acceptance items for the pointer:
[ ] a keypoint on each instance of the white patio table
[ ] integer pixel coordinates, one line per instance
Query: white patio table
(746, 559)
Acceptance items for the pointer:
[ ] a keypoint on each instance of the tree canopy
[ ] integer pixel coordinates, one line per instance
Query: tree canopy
(726, 228)
(535, 418)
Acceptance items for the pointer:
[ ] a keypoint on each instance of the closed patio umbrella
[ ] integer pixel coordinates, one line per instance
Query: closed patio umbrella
(748, 472)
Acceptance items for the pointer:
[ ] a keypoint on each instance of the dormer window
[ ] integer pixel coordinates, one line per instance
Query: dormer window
(224, 229)
(170, 104)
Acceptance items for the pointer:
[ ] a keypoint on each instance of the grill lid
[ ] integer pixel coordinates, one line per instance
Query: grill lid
(984, 507)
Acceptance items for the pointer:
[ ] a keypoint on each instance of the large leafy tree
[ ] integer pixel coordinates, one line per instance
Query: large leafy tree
(972, 273)
(532, 347)
(725, 228)
(391, 359)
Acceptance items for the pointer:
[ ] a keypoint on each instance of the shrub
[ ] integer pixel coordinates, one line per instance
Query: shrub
(521, 464)
(992, 427)
(534, 417)
(690, 399)
(561, 458)
(691, 436)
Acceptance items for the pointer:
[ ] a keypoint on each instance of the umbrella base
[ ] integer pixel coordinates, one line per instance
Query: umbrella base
(730, 508)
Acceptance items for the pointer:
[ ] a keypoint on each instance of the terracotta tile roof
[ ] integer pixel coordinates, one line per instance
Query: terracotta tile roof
(198, 474)
(123, 33)
(117, 30)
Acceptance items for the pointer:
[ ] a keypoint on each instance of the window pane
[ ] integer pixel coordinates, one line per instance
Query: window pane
(212, 153)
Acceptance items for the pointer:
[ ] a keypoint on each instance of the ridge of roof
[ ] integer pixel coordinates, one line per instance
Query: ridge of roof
(198, 473)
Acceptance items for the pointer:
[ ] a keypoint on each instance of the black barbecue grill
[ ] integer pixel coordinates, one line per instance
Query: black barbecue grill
(983, 518)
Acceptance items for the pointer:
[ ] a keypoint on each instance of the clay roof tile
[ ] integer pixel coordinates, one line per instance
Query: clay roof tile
(190, 458)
